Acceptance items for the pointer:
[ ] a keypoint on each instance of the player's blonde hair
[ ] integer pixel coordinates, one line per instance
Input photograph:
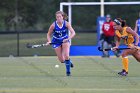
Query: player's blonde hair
(65, 17)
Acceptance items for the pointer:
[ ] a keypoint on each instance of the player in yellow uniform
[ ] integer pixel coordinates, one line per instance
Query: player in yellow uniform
(125, 33)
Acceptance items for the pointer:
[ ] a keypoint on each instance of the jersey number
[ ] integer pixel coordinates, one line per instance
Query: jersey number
(60, 34)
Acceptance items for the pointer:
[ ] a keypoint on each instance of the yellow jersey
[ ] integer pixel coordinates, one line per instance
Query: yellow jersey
(124, 35)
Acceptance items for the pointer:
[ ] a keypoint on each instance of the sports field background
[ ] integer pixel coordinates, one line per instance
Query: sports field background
(34, 70)
(9, 45)
(89, 75)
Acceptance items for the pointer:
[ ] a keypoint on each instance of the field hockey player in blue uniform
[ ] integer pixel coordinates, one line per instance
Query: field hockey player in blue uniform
(137, 27)
(59, 33)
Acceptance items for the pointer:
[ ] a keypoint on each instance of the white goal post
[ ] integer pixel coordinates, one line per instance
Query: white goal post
(101, 3)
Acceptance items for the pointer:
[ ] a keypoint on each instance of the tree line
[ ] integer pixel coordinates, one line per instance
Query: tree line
(39, 14)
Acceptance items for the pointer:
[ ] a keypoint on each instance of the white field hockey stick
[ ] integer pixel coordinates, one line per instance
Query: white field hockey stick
(108, 49)
(28, 45)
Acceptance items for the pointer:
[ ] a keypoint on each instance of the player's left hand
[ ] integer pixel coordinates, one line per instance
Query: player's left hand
(114, 48)
(48, 43)
(136, 47)
(65, 40)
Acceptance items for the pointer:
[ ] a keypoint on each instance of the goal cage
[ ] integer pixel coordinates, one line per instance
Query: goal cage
(94, 14)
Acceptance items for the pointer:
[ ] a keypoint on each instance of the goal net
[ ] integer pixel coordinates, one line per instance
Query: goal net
(84, 17)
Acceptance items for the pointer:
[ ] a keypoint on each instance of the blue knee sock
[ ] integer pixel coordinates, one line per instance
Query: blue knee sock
(67, 63)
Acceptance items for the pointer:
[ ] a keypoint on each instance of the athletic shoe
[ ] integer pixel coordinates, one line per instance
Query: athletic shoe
(123, 73)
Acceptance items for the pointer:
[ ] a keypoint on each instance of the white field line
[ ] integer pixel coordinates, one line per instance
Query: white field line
(65, 89)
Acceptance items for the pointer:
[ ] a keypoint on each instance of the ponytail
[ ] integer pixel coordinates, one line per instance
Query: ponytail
(121, 22)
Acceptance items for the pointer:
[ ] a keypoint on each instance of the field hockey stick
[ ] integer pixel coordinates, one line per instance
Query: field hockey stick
(108, 49)
(28, 45)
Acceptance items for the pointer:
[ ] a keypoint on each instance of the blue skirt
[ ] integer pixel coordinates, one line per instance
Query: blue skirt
(58, 42)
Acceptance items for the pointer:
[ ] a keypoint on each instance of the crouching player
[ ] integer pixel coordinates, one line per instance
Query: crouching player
(125, 33)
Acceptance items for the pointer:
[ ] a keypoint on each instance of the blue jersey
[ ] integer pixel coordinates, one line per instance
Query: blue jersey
(59, 34)
(138, 26)
(138, 30)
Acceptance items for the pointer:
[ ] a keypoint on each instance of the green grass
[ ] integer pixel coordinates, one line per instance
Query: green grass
(90, 75)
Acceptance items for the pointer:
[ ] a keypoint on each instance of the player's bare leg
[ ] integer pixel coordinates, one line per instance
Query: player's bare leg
(60, 54)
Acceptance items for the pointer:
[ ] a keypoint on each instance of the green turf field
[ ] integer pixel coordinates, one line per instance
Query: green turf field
(90, 75)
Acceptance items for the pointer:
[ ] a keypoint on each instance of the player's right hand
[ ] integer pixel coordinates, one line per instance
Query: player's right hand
(48, 43)
(114, 48)
(65, 40)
